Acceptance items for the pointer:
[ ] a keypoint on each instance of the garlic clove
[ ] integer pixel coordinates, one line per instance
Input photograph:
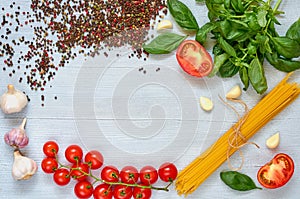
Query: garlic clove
(13, 101)
(23, 167)
(273, 141)
(17, 137)
(164, 24)
(234, 93)
(206, 104)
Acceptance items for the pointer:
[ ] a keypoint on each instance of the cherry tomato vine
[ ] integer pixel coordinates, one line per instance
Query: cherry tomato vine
(112, 182)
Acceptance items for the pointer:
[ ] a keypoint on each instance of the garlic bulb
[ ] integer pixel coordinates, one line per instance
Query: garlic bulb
(17, 137)
(13, 101)
(23, 167)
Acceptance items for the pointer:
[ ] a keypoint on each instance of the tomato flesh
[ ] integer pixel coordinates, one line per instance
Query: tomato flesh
(194, 59)
(277, 172)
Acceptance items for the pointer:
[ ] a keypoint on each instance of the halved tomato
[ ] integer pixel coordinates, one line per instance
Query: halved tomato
(194, 58)
(277, 172)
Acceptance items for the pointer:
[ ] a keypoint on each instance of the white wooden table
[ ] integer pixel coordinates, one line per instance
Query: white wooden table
(136, 118)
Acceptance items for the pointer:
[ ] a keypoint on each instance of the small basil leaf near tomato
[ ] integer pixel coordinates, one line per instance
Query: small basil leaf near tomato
(164, 43)
(62, 176)
(167, 172)
(83, 189)
(148, 175)
(110, 174)
(238, 181)
(142, 193)
(49, 165)
(129, 175)
(182, 15)
(94, 159)
(103, 191)
(73, 153)
(122, 192)
(194, 59)
(50, 149)
(294, 31)
(277, 172)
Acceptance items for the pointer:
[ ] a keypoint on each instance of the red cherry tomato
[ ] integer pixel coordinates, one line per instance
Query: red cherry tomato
(122, 192)
(50, 149)
(277, 172)
(141, 193)
(79, 171)
(94, 158)
(49, 165)
(194, 59)
(167, 172)
(129, 175)
(61, 176)
(103, 191)
(148, 175)
(83, 189)
(110, 174)
(73, 153)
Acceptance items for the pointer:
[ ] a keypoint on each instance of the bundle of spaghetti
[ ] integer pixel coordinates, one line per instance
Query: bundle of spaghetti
(194, 174)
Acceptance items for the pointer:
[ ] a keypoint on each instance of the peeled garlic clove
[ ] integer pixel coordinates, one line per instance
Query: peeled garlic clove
(17, 137)
(23, 167)
(164, 24)
(206, 104)
(234, 93)
(273, 141)
(13, 101)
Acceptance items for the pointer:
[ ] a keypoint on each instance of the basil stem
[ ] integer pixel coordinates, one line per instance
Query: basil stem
(238, 181)
(164, 43)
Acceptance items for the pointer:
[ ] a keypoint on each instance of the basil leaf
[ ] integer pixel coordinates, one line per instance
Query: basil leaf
(294, 31)
(286, 47)
(228, 69)
(227, 47)
(200, 1)
(203, 31)
(182, 15)
(257, 77)
(219, 60)
(282, 64)
(164, 43)
(238, 181)
(244, 77)
(262, 17)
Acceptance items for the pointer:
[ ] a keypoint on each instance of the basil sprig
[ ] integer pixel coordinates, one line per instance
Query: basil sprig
(238, 181)
(164, 43)
(182, 15)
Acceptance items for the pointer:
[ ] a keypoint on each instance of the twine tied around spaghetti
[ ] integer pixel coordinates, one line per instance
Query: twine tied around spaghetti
(233, 138)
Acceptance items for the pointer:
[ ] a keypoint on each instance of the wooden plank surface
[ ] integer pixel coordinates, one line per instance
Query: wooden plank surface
(140, 119)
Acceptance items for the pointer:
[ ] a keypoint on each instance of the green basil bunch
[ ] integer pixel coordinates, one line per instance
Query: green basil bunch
(245, 35)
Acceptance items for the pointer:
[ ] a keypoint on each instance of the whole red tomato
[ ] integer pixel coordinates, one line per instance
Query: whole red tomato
(194, 59)
(49, 165)
(277, 172)
(94, 158)
(73, 153)
(167, 172)
(129, 175)
(142, 193)
(61, 176)
(79, 171)
(122, 192)
(50, 149)
(83, 189)
(110, 174)
(148, 175)
(103, 191)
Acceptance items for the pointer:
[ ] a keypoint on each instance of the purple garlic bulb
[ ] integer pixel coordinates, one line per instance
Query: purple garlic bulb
(17, 137)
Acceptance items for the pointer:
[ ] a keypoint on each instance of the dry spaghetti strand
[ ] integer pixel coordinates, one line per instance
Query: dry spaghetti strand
(194, 174)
